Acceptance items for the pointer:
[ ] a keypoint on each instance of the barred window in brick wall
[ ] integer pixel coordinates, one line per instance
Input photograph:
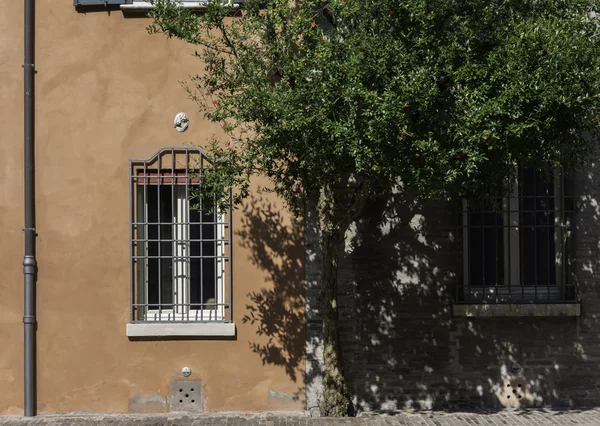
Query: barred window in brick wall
(516, 248)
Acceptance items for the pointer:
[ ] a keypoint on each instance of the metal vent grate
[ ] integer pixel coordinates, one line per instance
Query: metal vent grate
(186, 396)
(516, 392)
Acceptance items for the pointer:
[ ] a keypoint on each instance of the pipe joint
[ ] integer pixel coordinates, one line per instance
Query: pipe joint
(29, 265)
(30, 232)
(29, 319)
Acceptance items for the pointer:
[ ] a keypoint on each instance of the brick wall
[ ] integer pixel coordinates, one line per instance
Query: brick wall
(403, 348)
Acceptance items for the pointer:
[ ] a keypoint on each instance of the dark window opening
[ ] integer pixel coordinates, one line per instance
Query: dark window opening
(515, 249)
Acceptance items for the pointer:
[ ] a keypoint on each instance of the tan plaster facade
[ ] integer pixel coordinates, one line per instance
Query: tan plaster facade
(106, 92)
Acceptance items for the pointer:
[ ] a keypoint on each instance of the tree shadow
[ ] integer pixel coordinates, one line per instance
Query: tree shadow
(402, 346)
(277, 310)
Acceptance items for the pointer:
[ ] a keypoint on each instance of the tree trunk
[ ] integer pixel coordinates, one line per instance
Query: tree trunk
(336, 396)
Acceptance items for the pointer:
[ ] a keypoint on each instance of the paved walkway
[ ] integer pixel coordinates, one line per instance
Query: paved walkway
(504, 417)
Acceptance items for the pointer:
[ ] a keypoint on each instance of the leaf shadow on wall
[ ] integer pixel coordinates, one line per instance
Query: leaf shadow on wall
(402, 346)
(275, 243)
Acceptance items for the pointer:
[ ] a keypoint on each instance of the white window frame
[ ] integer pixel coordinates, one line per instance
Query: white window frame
(512, 263)
(181, 247)
(141, 6)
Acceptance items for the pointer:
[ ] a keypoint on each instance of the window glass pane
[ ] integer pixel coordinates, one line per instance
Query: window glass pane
(166, 247)
(160, 247)
(203, 263)
(486, 246)
(536, 217)
(152, 261)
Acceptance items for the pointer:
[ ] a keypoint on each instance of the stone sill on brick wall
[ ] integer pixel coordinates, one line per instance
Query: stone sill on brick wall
(517, 310)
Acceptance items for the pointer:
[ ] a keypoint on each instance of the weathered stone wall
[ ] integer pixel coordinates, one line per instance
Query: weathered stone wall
(403, 347)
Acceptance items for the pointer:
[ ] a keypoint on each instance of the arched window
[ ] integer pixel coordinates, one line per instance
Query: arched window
(180, 243)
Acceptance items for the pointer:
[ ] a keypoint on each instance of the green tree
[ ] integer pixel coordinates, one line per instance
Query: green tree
(338, 101)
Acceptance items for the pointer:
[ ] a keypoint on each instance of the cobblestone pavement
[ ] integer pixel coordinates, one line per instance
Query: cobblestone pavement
(505, 417)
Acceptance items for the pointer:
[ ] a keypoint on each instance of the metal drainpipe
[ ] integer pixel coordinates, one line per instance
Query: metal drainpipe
(29, 262)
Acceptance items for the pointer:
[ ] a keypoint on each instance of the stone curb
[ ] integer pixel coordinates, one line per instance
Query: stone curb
(541, 417)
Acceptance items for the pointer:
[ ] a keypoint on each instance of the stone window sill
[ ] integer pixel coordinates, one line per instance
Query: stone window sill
(517, 310)
(201, 329)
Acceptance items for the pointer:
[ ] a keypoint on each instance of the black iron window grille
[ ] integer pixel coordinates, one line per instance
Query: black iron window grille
(180, 248)
(515, 248)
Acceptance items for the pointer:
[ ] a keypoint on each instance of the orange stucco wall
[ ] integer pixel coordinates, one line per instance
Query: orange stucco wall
(106, 92)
